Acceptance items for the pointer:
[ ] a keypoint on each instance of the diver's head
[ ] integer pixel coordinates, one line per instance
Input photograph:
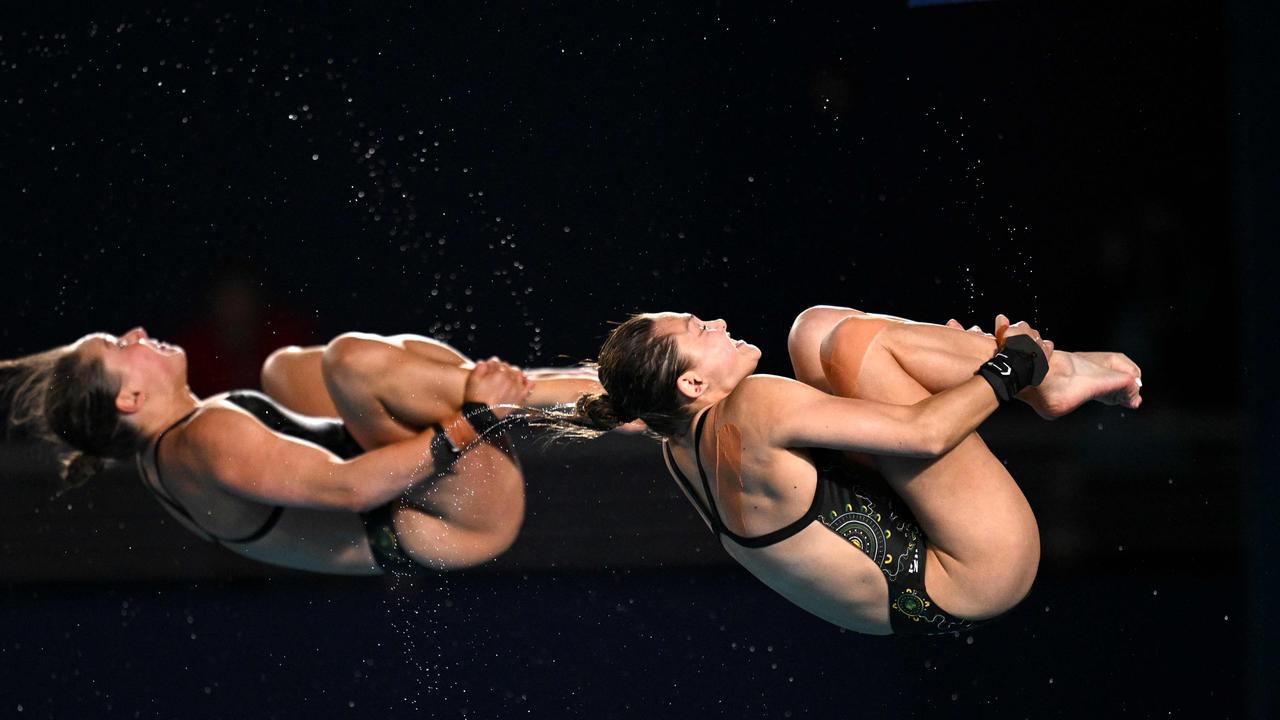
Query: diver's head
(661, 368)
(104, 396)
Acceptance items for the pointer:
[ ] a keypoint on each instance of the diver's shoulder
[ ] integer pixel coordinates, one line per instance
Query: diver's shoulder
(762, 395)
(765, 383)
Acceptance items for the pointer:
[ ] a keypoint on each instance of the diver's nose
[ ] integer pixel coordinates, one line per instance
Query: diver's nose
(136, 334)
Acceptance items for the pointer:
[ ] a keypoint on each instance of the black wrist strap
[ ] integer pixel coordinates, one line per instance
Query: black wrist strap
(481, 417)
(1020, 363)
(443, 453)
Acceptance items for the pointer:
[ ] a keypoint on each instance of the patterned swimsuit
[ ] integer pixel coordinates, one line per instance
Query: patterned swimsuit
(859, 507)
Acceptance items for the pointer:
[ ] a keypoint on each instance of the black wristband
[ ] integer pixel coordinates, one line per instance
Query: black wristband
(1020, 363)
(480, 417)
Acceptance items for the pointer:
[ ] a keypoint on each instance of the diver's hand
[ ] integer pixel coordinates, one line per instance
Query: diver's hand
(502, 386)
(1005, 330)
(1000, 321)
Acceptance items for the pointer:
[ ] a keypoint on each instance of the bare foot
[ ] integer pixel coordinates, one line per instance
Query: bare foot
(1115, 361)
(1076, 378)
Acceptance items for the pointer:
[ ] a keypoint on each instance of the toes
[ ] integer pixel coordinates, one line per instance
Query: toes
(1131, 394)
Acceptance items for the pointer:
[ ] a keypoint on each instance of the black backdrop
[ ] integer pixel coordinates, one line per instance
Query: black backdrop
(511, 178)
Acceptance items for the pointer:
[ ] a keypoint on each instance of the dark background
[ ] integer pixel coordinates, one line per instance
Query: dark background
(511, 178)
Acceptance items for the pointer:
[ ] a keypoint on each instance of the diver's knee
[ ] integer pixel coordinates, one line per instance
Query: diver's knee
(812, 324)
(355, 355)
(275, 369)
(819, 318)
(844, 346)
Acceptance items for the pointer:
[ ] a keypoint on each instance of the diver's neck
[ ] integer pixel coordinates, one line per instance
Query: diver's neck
(703, 404)
(169, 411)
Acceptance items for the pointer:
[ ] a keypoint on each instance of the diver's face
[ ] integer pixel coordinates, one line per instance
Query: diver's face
(136, 358)
(707, 345)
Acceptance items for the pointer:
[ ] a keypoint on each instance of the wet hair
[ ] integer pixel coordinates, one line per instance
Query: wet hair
(638, 371)
(60, 396)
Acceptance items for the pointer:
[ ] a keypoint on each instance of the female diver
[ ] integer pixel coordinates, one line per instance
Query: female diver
(385, 488)
(862, 492)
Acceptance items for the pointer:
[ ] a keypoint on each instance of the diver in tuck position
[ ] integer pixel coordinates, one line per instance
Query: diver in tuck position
(861, 493)
(353, 465)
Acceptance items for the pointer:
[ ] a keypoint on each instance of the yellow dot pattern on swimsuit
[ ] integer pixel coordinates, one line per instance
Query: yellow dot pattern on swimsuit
(911, 605)
(870, 528)
(385, 539)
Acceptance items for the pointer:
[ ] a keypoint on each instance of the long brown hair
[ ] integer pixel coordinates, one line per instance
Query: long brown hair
(638, 371)
(60, 396)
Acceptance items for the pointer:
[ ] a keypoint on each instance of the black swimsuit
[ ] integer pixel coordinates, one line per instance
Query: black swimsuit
(329, 433)
(859, 507)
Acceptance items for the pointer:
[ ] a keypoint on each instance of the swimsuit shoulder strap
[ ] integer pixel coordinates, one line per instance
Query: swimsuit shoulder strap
(758, 541)
(160, 491)
(714, 512)
(686, 486)
(158, 488)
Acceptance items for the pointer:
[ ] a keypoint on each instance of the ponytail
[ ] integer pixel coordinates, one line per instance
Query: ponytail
(79, 468)
(638, 371)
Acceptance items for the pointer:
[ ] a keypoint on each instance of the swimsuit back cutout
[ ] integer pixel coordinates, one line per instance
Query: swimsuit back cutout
(711, 514)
